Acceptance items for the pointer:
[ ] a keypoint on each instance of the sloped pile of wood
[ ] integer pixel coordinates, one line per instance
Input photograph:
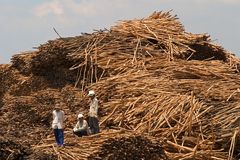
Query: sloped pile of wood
(151, 77)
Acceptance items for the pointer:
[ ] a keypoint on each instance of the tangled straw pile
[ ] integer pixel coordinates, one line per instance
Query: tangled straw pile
(168, 90)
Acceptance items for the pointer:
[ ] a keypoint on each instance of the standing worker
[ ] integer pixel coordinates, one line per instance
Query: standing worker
(57, 125)
(93, 113)
(81, 128)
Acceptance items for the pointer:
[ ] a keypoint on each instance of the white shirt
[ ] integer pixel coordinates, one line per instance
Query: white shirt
(93, 111)
(58, 118)
(81, 126)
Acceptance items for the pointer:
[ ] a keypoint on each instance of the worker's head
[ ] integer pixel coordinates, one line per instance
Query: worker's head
(91, 94)
(57, 107)
(80, 116)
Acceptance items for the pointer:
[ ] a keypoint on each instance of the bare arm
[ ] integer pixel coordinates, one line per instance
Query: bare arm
(85, 125)
(76, 127)
(53, 115)
(63, 117)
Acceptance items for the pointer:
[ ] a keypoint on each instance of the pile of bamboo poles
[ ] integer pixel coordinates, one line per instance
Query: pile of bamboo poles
(91, 57)
(153, 79)
(153, 104)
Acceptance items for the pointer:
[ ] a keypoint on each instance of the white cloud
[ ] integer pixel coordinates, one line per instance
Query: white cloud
(64, 9)
(53, 7)
(83, 7)
(73, 12)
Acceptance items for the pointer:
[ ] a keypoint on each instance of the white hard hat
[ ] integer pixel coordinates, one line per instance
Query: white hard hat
(91, 93)
(80, 116)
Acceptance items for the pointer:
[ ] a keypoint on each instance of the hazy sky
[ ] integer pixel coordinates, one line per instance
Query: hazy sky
(28, 23)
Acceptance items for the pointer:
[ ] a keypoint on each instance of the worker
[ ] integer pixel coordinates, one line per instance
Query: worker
(93, 113)
(81, 128)
(57, 125)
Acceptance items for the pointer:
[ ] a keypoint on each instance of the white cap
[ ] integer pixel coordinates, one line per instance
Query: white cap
(91, 93)
(80, 116)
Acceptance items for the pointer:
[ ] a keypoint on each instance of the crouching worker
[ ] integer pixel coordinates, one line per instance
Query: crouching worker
(81, 128)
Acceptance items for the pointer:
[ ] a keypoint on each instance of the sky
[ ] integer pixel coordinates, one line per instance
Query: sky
(26, 24)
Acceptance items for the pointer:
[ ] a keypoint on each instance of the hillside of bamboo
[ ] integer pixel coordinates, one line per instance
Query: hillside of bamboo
(165, 94)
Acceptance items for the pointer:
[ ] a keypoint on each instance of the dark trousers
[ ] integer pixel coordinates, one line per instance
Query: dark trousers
(93, 124)
(81, 133)
(59, 136)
